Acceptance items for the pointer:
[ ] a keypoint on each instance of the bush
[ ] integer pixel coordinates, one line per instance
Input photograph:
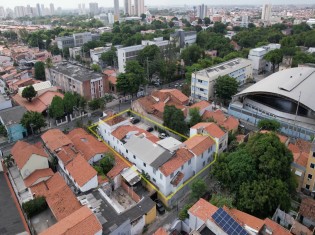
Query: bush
(270, 125)
(34, 206)
(183, 214)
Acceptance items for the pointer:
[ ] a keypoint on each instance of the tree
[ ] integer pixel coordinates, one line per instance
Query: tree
(29, 93)
(109, 57)
(33, 121)
(259, 174)
(225, 87)
(183, 214)
(207, 20)
(219, 27)
(274, 57)
(123, 84)
(107, 162)
(198, 189)
(267, 124)
(191, 54)
(56, 109)
(96, 104)
(148, 53)
(143, 16)
(194, 116)
(174, 119)
(34, 206)
(96, 68)
(220, 200)
(40, 71)
(69, 101)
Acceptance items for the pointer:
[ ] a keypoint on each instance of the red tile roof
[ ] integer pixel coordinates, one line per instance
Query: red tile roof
(307, 208)
(80, 170)
(60, 199)
(246, 219)
(211, 128)
(231, 123)
(55, 138)
(122, 131)
(113, 119)
(275, 228)
(22, 151)
(112, 80)
(39, 103)
(203, 210)
(160, 231)
(38, 176)
(217, 115)
(201, 105)
(88, 145)
(177, 94)
(181, 156)
(82, 221)
(66, 154)
(199, 144)
(119, 166)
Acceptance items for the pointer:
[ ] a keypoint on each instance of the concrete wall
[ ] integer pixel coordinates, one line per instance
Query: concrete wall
(194, 222)
(150, 216)
(137, 226)
(35, 162)
(92, 183)
(5, 104)
(123, 229)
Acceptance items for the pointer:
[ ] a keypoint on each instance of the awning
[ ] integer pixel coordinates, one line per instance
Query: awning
(131, 175)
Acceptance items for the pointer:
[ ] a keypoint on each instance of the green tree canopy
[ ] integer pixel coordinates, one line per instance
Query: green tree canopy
(40, 71)
(56, 109)
(194, 116)
(191, 54)
(174, 119)
(198, 189)
(225, 87)
(259, 174)
(274, 57)
(109, 57)
(220, 200)
(29, 93)
(107, 162)
(33, 120)
(96, 68)
(267, 124)
(69, 101)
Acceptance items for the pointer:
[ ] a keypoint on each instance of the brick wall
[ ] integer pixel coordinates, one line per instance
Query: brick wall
(130, 192)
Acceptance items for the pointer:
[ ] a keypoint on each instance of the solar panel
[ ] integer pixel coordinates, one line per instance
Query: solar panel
(227, 223)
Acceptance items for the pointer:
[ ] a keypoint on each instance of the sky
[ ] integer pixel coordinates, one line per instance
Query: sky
(66, 4)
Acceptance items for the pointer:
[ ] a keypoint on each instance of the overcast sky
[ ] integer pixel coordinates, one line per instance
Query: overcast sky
(66, 4)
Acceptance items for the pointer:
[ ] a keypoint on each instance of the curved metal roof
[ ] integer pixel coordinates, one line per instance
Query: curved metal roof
(289, 83)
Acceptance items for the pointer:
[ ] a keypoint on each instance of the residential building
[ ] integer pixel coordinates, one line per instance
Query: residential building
(11, 118)
(284, 96)
(229, 123)
(205, 218)
(74, 52)
(202, 11)
(116, 10)
(266, 12)
(127, 7)
(139, 7)
(309, 179)
(5, 101)
(73, 166)
(256, 55)
(52, 9)
(306, 213)
(76, 40)
(94, 8)
(130, 53)
(74, 78)
(244, 22)
(202, 82)
(96, 53)
(183, 38)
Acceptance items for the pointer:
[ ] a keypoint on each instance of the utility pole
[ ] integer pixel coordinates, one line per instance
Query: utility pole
(296, 112)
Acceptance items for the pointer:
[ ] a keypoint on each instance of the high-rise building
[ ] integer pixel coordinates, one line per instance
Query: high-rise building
(139, 7)
(42, 9)
(266, 12)
(202, 11)
(52, 9)
(19, 11)
(116, 10)
(39, 12)
(2, 13)
(244, 22)
(127, 7)
(94, 8)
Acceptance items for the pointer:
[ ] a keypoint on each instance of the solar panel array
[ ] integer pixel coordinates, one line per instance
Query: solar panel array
(227, 223)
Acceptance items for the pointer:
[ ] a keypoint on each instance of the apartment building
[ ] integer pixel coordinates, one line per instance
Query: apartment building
(256, 55)
(74, 78)
(96, 53)
(202, 82)
(183, 38)
(168, 162)
(309, 178)
(76, 40)
(131, 53)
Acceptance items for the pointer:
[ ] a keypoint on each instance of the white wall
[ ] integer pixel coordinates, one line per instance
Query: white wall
(137, 228)
(92, 183)
(194, 222)
(35, 162)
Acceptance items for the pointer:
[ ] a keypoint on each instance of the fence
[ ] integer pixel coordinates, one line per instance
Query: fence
(62, 121)
(130, 192)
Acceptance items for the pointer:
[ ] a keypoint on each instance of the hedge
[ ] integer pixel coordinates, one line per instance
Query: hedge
(35, 206)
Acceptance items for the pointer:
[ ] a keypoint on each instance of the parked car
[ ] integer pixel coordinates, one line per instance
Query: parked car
(163, 135)
(134, 120)
(150, 129)
(159, 206)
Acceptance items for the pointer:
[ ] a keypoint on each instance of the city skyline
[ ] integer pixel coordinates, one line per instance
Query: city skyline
(74, 5)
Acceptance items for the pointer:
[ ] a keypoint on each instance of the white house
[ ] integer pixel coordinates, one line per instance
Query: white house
(96, 53)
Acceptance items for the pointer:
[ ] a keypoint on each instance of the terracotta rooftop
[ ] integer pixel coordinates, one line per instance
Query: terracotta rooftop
(22, 151)
(175, 93)
(119, 166)
(198, 144)
(122, 131)
(203, 210)
(83, 221)
(181, 156)
(211, 128)
(38, 176)
(60, 199)
(275, 228)
(201, 105)
(231, 123)
(113, 119)
(112, 80)
(160, 231)
(299, 157)
(307, 208)
(87, 144)
(246, 219)
(55, 138)
(66, 153)
(39, 103)
(217, 115)
(80, 170)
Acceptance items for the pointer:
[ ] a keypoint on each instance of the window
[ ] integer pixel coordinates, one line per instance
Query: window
(204, 163)
(208, 160)
(182, 167)
(126, 150)
(309, 176)
(209, 149)
(144, 164)
(199, 80)
(134, 156)
(313, 154)
(312, 165)
(307, 186)
(220, 146)
(154, 180)
(161, 176)
(172, 175)
(189, 161)
(202, 155)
